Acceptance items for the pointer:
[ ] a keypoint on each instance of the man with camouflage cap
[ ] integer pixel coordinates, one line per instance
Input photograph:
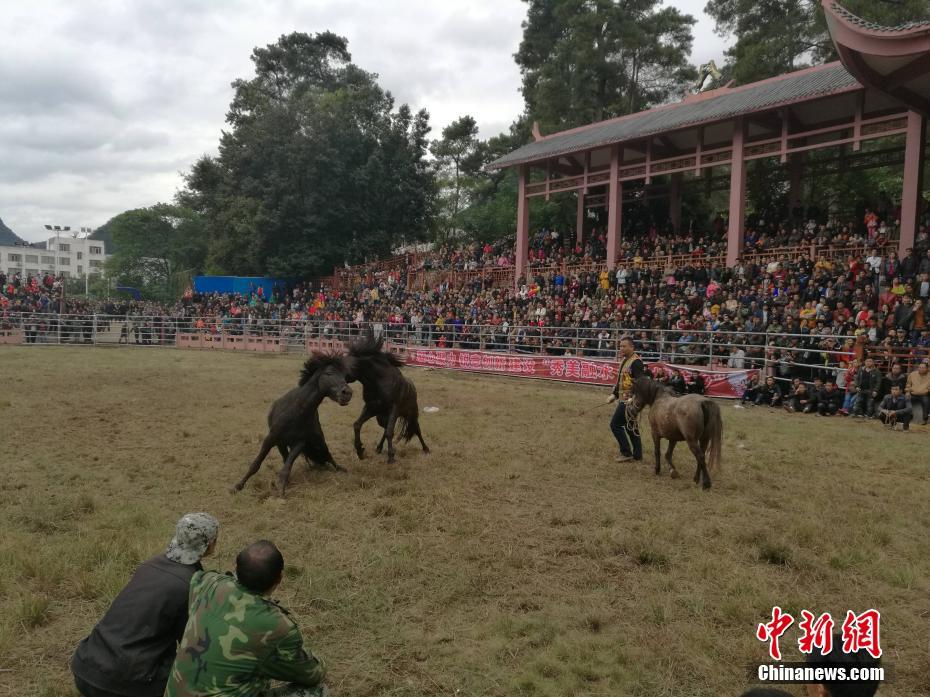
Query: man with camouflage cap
(131, 650)
(237, 640)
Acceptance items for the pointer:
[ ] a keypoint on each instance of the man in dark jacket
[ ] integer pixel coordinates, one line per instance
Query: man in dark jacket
(631, 367)
(817, 393)
(896, 408)
(130, 651)
(769, 394)
(868, 382)
(830, 401)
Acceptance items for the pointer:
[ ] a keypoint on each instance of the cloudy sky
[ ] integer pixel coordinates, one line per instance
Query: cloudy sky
(104, 102)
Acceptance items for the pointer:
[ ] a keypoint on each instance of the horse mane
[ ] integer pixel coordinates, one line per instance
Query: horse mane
(367, 347)
(318, 361)
(649, 389)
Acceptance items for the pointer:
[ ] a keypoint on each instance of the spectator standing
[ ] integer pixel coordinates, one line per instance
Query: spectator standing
(917, 389)
(631, 367)
(867, 382)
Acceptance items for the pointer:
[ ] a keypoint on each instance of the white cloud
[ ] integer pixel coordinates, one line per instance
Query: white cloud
(104, 102)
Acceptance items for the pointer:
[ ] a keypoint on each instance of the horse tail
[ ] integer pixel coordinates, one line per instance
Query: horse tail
(405, 428)
(713, 426)
(408, 417)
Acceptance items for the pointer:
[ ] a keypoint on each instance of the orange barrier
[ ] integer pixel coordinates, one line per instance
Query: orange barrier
(232, 342)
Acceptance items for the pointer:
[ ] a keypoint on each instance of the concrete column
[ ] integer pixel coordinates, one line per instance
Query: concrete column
(579, 219)
(523, 228)
(913, 179)
(735, 231)
(614, 209)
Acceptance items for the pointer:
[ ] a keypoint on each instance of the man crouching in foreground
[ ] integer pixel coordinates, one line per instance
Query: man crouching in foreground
(237, 640)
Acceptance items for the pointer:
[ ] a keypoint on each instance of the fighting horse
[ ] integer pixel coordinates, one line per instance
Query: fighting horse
(294, 420)
(388, 395)
(691, 418)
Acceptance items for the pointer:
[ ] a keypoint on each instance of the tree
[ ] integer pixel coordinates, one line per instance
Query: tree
(317, 167)
(152, 244)
(458, 159)
(778, 36)
(589, 60)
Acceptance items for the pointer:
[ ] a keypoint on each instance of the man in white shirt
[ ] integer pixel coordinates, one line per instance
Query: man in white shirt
(737, 358)
(923, 286)
(874, 261)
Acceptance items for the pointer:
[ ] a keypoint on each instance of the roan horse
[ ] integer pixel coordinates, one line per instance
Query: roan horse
(691, 418)
(294, 420)
(389, 396)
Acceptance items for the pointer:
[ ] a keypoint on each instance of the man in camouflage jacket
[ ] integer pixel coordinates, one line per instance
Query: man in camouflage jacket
(237, 640)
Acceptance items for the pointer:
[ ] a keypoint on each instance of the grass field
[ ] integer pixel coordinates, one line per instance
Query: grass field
(517, 559)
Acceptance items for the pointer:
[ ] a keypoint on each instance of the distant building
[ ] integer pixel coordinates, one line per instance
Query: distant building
(70, 257)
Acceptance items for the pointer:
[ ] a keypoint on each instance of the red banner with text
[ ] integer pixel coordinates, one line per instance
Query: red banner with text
(718, 382)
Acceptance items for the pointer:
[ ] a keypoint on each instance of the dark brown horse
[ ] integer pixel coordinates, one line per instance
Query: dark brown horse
(389, 396)
(691, 418)
(294, 420)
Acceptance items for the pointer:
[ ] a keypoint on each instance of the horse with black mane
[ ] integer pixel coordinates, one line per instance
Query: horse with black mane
(692, 418)
(389, 396)
(294, 420)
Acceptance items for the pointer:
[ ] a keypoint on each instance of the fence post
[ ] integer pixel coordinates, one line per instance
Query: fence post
(94, 330)
(710, 351)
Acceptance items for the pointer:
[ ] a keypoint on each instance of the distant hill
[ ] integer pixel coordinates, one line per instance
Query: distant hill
(9, 237)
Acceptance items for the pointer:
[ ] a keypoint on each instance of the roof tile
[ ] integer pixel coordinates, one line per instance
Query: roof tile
(767, 94)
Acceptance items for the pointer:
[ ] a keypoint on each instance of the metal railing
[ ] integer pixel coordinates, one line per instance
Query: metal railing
(781, 355)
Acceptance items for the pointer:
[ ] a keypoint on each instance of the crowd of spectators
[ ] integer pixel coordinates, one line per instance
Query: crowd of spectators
(796, 317)
(30, 293)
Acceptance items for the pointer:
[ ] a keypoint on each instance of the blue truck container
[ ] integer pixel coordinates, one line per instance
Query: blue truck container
(243, 285)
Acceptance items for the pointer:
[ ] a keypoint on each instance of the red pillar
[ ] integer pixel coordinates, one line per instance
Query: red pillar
(614, 209)
(523, 228)
(674, 201)
(737, 195)
(579, 218)
(913, 179)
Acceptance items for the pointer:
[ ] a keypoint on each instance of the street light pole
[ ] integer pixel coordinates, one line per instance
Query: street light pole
(58, 229)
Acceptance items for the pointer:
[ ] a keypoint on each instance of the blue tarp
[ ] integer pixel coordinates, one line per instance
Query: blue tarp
(236, 284)
(134, 292)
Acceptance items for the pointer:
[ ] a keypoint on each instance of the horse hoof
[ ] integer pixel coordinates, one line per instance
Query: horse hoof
(675, 474)
(426, 451)
(235, 489)
(705, 486)
(390, 460)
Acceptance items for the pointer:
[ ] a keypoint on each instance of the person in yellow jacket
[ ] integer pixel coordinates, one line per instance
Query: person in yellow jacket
(631, 367)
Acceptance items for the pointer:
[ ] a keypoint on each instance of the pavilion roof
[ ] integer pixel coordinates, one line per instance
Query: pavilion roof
(874, 27)
(707, 107)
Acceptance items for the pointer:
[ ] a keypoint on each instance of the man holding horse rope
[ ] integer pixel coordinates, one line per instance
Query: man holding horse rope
(626, 433)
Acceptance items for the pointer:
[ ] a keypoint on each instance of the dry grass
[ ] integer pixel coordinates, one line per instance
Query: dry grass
(517, 559)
